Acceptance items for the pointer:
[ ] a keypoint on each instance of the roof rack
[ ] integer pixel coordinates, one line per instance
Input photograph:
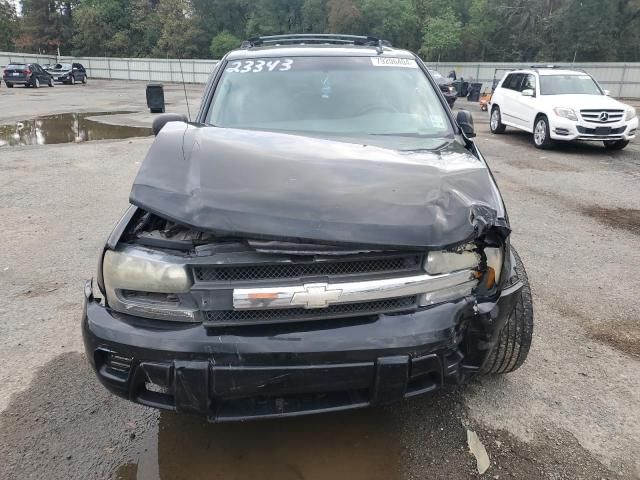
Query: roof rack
(313, 38)
(555, 67)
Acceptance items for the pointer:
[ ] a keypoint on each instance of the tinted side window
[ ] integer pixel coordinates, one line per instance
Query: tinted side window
(507, 81)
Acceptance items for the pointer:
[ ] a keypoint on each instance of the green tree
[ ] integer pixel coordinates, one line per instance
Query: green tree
(96, 25)
(344, 16)
(180, 36)
(395, 21)
(222, 43)
(441, 35)
(314, 16)
(8, 25)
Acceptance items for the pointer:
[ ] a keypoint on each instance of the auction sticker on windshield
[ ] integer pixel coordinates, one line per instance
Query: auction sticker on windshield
(394, 62)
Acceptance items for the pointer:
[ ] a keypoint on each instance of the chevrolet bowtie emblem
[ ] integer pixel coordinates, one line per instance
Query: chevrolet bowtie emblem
(315, 295)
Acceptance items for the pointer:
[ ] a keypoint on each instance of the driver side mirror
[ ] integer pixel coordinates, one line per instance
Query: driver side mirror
(607, 92)
(465, 122)
(528, 92)
(161, 120)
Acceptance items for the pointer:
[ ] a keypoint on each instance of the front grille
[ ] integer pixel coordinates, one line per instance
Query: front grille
(594, 131)
(248, 317)
(595, 115)
(334, 268)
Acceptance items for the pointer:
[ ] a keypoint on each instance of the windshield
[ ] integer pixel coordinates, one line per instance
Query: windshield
(344, 96)
(568, 84)
(62, 66)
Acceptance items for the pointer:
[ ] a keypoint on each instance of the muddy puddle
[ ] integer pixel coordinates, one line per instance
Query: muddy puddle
(355, 446)
(66, 128)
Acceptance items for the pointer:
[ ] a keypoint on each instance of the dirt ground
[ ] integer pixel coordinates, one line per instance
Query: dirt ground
(572, 411)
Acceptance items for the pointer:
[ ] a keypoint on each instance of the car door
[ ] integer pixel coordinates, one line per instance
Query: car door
(525, 106)
(508, 108)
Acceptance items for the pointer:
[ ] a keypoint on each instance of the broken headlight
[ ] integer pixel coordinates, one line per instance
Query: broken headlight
(146, 283)
(467, 257)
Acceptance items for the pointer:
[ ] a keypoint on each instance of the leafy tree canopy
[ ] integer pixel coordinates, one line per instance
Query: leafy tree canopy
(449, 30)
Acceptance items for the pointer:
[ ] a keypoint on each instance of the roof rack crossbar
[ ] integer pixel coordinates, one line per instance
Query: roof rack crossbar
(322, 38)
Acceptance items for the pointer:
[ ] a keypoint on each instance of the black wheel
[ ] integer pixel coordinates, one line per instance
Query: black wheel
(36, 83)
(514, 341)
(73, 79)
(51, 82)
(615, 144)
(541, 136)
(9, 85)
(84, 79)
(495, 122)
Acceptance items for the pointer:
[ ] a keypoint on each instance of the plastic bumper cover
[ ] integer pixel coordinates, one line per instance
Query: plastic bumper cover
(564, 129)
(286, 370)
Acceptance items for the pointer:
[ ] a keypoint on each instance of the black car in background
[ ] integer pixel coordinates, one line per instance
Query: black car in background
(68, 73)
(446, 86)
(27, 74)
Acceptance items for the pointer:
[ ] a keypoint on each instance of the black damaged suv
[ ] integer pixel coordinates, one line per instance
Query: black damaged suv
(323, 236)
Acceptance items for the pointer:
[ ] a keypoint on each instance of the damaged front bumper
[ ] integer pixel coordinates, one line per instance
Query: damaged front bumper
(288, 369)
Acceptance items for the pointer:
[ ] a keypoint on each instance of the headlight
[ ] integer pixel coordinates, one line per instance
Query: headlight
(566, 113)
(467, 257)
(631, 113)
(146, 283)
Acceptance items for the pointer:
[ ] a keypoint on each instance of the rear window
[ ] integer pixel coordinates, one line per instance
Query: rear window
(16, 66)
(341, 96)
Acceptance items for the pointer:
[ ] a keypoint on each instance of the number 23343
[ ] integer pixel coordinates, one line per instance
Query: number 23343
(256, 66)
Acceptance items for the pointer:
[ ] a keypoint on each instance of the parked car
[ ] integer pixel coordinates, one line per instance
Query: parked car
(324, 236)
(561, 105)
(446, 86)
(70, 73)
(27, 74)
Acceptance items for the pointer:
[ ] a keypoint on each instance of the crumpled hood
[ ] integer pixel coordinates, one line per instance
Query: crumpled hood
(282, 186)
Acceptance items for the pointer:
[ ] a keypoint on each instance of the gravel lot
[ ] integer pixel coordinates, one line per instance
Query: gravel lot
(572, 411)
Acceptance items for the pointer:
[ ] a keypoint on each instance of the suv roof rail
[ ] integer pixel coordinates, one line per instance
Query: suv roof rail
(316, 38)
(556, 67)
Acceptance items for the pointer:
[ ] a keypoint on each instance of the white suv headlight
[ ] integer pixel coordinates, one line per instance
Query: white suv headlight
(567, 113)
(630, 115)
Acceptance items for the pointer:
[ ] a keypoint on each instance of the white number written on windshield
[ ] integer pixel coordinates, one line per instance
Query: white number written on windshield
(256, 66)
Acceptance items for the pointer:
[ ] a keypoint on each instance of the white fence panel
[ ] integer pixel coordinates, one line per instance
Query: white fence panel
(622, 79)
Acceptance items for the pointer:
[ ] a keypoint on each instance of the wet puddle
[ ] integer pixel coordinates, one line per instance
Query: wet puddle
(66, 128)
(358, 446)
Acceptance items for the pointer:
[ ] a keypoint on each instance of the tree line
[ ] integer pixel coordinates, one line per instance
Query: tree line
(446, 30)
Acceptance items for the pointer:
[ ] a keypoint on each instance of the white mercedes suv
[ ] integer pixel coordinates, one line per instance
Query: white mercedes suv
(556, 104)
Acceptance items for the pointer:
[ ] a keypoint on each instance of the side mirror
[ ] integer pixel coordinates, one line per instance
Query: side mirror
(161, 120)
(607, 92)
(465, 121)
(528, 92)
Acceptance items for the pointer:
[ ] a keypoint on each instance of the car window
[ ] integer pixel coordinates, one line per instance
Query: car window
(16, 66)
(512, 81)
(529, 82)
(569, 84)
(335, 96)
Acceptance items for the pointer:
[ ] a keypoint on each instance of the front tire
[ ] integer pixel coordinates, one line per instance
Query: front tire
(51, 82)
(73, 80)
(541, 134)
(36, 83)
(495, 122)
(84, 80)
(9, 85)
(615, 144)
(512, 347)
